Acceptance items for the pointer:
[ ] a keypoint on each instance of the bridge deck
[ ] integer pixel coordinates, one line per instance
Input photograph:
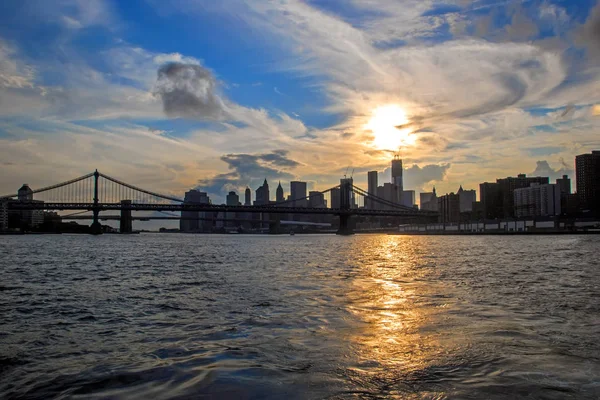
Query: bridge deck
(216, 208)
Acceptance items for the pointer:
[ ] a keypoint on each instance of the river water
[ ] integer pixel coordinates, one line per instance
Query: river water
(154, 316)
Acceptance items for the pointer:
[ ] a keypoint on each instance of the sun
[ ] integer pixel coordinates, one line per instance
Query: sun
(385, 124)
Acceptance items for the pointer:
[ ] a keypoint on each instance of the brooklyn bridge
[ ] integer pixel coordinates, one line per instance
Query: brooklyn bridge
(98, 193)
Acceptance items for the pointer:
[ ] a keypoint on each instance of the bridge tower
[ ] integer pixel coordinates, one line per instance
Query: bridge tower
(96, 228)
(126, 224)
(345, 205)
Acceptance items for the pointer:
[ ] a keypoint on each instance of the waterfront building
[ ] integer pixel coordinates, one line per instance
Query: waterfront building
(372, 188)
(498, 198)
(587, 170)
(429, 201)
(193, 221)
(28, 218)
(537, 200)
(3, 215)
(298, 194)
(467, 198)
(449, 208)
(491, 200)
(507, 188)
(279, 196)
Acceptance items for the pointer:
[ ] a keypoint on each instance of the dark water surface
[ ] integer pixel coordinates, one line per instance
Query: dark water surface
(292, 317)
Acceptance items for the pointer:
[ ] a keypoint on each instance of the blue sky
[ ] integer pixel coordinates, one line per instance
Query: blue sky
(219, 95)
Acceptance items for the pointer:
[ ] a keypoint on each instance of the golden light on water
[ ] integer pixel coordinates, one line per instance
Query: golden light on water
(395, 319)
(386, 123)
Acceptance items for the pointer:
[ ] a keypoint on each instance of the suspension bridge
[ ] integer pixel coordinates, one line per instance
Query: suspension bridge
(98, 193)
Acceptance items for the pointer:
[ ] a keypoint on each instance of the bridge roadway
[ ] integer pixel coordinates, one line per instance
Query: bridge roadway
(217, 208)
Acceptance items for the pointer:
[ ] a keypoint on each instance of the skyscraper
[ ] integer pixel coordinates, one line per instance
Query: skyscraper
(298, 193)
(564, 184)
(335, 198)
(397, 178)
(279, 194)
(408, 198)
(232, 199)
(467, 198)
(248, 197)
(316, 199)
(190, 220)
(587, 170)
(508, 186)
(262, 194)
(372, 177)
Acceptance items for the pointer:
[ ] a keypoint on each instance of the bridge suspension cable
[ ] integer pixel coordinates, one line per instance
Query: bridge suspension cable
(126, 185)
(290, 201)
(380, 200)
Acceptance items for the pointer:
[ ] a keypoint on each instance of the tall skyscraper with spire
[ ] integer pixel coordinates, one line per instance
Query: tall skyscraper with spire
(279, 194)
(262, 194)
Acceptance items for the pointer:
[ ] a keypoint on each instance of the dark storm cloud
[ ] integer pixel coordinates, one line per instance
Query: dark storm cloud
(189, 90)
(251, 170)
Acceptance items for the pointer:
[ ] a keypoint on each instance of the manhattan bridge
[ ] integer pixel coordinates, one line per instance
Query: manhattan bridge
(98, 194)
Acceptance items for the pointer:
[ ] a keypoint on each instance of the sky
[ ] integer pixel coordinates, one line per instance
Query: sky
(185, 94)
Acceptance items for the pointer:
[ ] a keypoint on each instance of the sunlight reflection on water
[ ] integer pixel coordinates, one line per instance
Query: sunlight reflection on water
(309, 316)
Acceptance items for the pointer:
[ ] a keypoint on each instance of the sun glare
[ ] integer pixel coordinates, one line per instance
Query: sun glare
(384, 124)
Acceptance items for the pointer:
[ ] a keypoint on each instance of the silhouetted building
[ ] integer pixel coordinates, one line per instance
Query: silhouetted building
(397, 179)
(429, 201)
(389, 193)
(248, 197)
(28, 218)
(449, 208)
(279, 197)
(372, 189)
(352, 198)
(587, 170)
(262, 194)
(232, 199)
(564, 184)
(408, 198)
(25, 193)
(193, 221)
(298, 193)
(3, 215)
(537, 201)
(507, 190)
(491, 200)
(467, 198)
(335, 197)
(498, 198)
(316, 199)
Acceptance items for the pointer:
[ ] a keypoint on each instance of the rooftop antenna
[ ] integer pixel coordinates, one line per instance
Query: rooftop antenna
(352, 174)
(346, 173)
